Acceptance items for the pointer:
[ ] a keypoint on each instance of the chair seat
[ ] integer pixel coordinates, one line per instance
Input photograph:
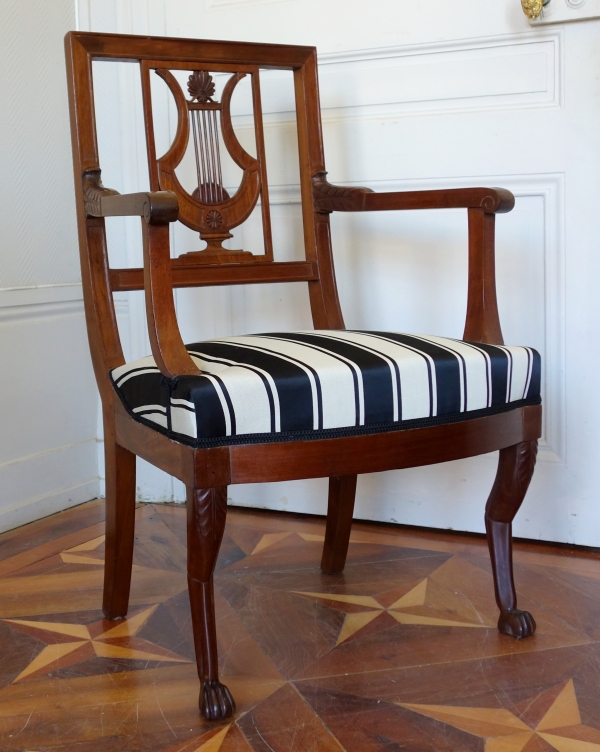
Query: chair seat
(319, 384)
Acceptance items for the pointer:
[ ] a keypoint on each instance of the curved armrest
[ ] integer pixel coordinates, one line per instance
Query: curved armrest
(157, 208)
(328, 198)
(482, 321)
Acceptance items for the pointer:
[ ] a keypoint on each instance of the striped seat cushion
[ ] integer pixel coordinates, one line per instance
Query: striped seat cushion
(319, 384)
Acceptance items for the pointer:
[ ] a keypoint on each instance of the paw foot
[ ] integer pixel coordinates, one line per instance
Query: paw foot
(517, 624)
(216, 702)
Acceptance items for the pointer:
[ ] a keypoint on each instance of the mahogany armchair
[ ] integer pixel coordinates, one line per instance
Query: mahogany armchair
(278, 406)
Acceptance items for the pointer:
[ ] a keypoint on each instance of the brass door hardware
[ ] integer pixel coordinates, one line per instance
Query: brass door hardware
(533, 8)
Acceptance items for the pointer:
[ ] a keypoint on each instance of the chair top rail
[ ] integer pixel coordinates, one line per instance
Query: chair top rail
(124, 47)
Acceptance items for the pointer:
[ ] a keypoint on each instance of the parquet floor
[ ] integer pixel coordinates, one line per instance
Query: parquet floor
(398, 653)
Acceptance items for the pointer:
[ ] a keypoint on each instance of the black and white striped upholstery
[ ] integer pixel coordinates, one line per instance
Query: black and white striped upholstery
(319, 384)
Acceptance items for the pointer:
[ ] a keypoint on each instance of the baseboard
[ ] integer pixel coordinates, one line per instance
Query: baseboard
(42, 506)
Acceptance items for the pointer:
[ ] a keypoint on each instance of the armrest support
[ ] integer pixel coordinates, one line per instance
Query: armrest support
(157, 207)
(482, 204)
(482, 322)
(169, 352)
(328, 198)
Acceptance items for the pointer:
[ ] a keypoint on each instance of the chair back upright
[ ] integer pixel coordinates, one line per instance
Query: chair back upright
(209, 209)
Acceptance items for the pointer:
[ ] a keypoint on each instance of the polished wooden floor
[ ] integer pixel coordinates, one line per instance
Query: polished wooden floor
(398, 653)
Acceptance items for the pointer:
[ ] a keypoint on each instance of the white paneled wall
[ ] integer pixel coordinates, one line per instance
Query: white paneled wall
(48, 402)
(414, 95)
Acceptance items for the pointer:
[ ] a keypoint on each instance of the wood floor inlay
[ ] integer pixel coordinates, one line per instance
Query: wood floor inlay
(400, 652)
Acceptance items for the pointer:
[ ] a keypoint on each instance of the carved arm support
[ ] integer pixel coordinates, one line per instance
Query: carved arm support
(168, 349)
(158, 207)
(157, 210)
(328, 198)
(482, 204)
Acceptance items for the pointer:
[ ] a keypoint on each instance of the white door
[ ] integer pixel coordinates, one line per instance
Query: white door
(414, 96)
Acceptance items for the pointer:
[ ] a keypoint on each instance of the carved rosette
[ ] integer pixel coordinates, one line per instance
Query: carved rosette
(214, 219)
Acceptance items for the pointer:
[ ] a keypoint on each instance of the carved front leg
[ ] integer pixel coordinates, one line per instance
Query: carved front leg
(207, 510)
(515, 468)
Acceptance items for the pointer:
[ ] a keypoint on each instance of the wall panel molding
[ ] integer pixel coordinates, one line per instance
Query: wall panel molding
(19, 304)
(491, 73)
(36, 294)
(515, 71)
(229, 3)
(22, 313)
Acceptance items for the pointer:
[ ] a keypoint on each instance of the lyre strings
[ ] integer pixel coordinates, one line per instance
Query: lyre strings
(205, 130)
(208, 156)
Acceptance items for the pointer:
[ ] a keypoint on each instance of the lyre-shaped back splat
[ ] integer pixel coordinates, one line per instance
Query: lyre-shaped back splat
(209, 210)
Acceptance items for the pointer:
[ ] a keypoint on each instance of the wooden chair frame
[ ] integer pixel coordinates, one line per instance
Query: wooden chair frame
(207, 472)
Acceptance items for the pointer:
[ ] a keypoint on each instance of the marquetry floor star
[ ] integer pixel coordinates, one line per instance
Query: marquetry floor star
(548, 721)
(289, 537)
(215, 743)
(270, 540)
(68, 644)
(426, 604)
(81, 554)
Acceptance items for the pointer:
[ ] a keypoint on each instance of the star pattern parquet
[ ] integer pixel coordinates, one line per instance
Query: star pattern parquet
(398, 652)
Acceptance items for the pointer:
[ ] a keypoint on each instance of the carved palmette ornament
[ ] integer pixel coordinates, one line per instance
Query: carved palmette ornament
(209, 512)
(209, 209)
(201, 86)
(526, 457)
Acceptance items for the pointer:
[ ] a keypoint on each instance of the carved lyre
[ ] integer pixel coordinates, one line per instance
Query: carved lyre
(209, 209)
